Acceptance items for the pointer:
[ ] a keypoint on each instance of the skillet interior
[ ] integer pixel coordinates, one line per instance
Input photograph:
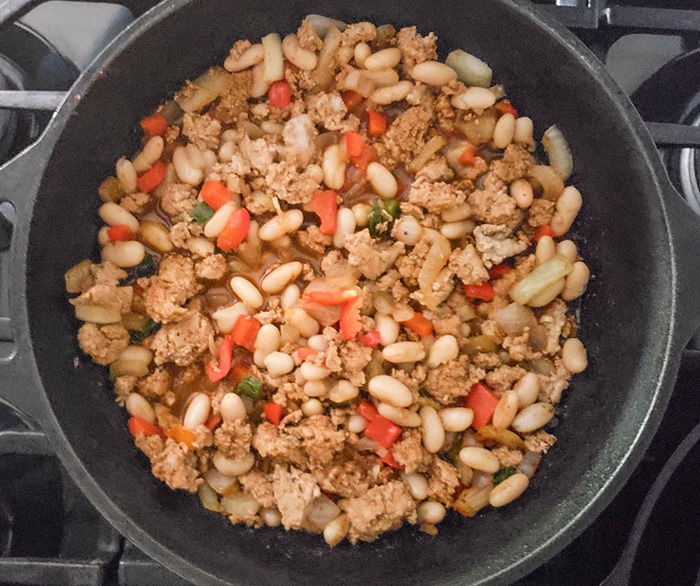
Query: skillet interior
(626, 325)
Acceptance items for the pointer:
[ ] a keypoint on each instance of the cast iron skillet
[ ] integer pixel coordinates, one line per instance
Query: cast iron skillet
(640, 309)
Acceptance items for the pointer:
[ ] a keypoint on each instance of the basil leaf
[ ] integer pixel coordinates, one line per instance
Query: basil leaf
(249, 386)
(201, 213)
(502, 474)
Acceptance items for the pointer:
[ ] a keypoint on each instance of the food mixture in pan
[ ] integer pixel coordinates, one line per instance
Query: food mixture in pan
(334, 285)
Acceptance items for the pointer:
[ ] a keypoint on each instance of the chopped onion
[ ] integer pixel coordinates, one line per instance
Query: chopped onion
(479, 130)
(97, 314)
(321, 512)
(472, 500)
(488, 434)
(435, 260)
(481, 479)
(470, 69)
(322, 24)
(274, 57)
(240, 505)
(207, 88)
(478, 344)
(324, 70)
(218, 481)
(171, 111)
(549, 179)
(515, 318)
(543, 366)
(134, 360)
(326, 315)
(427, 152)
(209, 498)
(357, 82)
(558, 151)
(365, 444)
(529, 463)
(541, 278)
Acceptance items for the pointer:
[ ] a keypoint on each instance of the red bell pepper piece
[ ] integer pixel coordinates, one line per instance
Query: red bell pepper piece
(366, 156)
(216, 373)
(353, 144)
(383, 431)
(306, 352)
(273, 412)
(334, 297)
(213, 422)
(497, 271)
(120, 233)
(545, 230)
(483, 291)
(151, 178)
(468, 157)
(351, 98)
(141, 426)
(390, 461)
(245, 332)
(505, 107)
(325, 205)
(371, 339)
(482, 401)
(235, 231)
(419, 324)
(182, 435)
(377, 123)
(367, 410)
(350, 324)
(154, 125)
(280, 94)
(215, 194)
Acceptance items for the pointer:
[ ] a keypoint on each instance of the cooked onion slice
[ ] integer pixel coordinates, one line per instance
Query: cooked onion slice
(428, 151)
(515, 318)
(549, 179)
(322, 24)
(470, 69)
(207, 88)
(436, 258)
(541, 278)
(558, 152)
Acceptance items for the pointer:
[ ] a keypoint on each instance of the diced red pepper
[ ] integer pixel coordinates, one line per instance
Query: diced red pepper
(468, 156)
(333, 297)
(239, 372)
(152, 178)
(371, 339)
(367, 410)
(545, 230)
(353, 144)
(213, 422)
(215, 194)
(235, 231)
(390, 461)
(182, 435)
(280, 94)
(141, 426)
(366, 156)
(483, 291)
(120, 233)
(245, 332)
(306, 352)
(497, 271)
(351, 99)
(505, 107)
(419, 324)
(383, 431)
(273, 412)
(482, 401)
(377, 123)
(325, 205)
(350, 324)
(154, 125)
(216, 373)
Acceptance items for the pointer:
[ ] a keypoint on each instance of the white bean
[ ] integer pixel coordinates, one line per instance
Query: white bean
(297, 55)
(417, 485)
(318, 342)
(218, 221)
(197, 411)
(454, 230)
(271, 516)
(156, 236)
(402, 417)
(533, 417)
(231, 467)
(126, 175)
(362, 51)
(290, 296)
(279, 363)
(343, 391)
(232, 407)
(528, 389)
(389, 390)
(456, 419)
(504, 131)
(568, 206)
(269, 339)
(408, 230)
(138, 406)
(431, 512)
(200, 246)
(457, 213)
(545, 250)
(312, 407)
(150, 153)
(506, 409)
(521, 192)
(433, 432)
(315, 388)
(115, 215)
(336, 530)
(226, 317)
(226, 151)
(404, 352)
(279, 277)
(474, 98)
(576, 281)
(524, 130)
(444, 349)
(312, 371)
(508, 490)
(302, 321)
(433, 73)
(361, 211)
(274, 58)
(383, 59)
(357, 423)
(345, 226)
(186, 171)
(480, 459)
(124, 254)
(388, 328)
(567, 249)
(382, 77)
(247, 292)
(382, 180)
(273, 229)
(251, 56)
(103, 236)
(574, 356)
(134, 360)
(333, 167)
(384, 96)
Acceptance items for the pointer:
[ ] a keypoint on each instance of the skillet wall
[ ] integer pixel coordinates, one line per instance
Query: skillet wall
(625, 315)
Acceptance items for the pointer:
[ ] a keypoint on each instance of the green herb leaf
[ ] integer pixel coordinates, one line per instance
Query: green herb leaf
(249, 386)
(146, 268)
(374, 222)
(384, 211)
(502, 474)
(392, 207)
(201, 213)
(138, 336)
